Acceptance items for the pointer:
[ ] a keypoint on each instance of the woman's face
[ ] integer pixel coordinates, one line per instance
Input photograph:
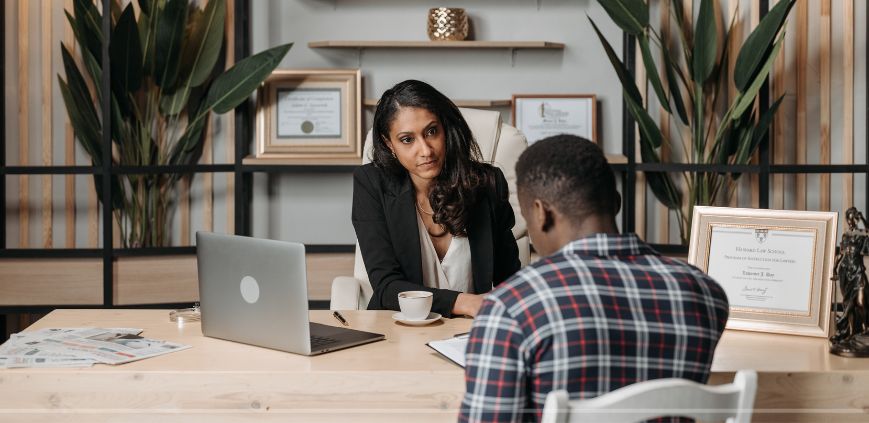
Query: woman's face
(418, 141)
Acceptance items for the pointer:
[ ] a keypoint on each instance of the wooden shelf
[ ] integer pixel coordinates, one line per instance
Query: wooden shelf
(616, 159)
(372, 102)
(438, 44)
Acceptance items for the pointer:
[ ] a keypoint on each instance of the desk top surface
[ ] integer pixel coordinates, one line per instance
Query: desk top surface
(404, 348)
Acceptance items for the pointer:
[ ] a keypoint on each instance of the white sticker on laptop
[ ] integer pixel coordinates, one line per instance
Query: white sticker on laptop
(249, 289)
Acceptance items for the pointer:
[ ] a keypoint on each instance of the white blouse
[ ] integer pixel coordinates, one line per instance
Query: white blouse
(454, 272)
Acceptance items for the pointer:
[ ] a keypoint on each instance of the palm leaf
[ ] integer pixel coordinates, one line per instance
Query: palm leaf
(757, 46)
(125, 52)
(628, 84)
(632, 16)
(746, 99)
(673, 84)
(652, 72)
(202, 48)
(705, 49)
(170, 32)
(236, 84)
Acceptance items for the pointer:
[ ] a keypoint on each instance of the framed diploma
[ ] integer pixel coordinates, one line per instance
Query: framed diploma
(312, 113)
(539, 116)
(774, 265)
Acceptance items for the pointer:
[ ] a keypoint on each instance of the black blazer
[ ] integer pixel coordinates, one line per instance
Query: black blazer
(384, 217)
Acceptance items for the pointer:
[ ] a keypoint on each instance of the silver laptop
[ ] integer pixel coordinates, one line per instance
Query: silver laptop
(255, 291)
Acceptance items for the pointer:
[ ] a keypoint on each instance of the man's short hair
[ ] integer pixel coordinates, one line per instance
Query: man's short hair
(571, 173)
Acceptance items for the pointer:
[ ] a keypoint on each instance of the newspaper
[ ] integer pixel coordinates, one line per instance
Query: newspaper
(80, 347)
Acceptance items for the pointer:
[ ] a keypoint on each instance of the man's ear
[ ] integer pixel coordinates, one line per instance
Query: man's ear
(543, 215)
(618, 205)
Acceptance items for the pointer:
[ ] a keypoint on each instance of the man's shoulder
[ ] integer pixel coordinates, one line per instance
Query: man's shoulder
(528, 282)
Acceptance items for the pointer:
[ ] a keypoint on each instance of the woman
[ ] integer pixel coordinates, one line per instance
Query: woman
(428, 213)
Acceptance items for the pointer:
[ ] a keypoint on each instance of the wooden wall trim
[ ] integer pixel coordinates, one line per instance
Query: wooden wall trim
(848, 101)
(23, 122)
(802, 92)
(47, 31)
(826, 97)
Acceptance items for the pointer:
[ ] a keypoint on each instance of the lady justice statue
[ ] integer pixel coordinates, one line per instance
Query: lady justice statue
(852, 323)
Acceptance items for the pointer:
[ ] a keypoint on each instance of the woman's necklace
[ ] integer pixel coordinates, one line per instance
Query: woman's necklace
(428, 228)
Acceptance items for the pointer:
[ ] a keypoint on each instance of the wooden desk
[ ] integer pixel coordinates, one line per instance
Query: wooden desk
(399, 379)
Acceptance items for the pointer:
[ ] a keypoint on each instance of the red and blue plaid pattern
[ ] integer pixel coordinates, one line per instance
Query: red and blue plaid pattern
(603, 312)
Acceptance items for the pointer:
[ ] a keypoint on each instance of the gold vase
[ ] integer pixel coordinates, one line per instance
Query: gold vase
(447, 24)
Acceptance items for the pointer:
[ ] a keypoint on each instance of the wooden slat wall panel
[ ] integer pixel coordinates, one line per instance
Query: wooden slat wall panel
(755, 178)
(69, 148)
(154, 280)
(663, 221)
(802, 104)
(23, 123)
(848, 101)
(640, 185)
(230, 144)
(779, 81)
(173, 279)
(51, 281)
(735, 40)
(47, 31)
(826, 97)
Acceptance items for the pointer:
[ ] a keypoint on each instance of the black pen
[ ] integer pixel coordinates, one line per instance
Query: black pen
(340, 318)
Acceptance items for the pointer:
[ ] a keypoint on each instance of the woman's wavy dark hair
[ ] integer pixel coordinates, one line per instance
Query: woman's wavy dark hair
(463, 175)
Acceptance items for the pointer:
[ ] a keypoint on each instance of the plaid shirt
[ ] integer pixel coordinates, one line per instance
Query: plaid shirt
(603, 312)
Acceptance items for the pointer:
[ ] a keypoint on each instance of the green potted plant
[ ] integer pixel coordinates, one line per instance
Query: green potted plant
(723, 131)
(166, 80)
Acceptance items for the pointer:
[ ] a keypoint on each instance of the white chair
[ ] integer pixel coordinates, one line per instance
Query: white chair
(500, 144)
(672, 397)
(659, 398)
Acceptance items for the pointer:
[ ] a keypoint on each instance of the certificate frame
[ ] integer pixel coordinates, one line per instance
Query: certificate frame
(327, 103)
(811, 313)
(574, 114)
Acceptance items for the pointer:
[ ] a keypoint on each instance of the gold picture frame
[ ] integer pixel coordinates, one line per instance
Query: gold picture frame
(310, 113)
(540, 115)
(774, 265)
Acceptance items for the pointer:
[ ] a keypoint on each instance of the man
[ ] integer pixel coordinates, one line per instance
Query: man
(598, 311)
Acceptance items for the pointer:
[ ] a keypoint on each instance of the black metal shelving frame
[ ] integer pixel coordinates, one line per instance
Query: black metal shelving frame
(244, 172)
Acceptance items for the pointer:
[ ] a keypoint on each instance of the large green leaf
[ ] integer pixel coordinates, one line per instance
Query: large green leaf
(673, 83)
(86, 26)
(627, 80)
(746, 99)
(660, 182)
(705, 42)
(760, 133)
(170, 31)
(147, 6)
(87, 134)
(83, 115)
(174, 103)
(757, 46)
(125, 52)
(203, 43)
(632, 16)
(652, 72)
(648, 129)
(238, 82)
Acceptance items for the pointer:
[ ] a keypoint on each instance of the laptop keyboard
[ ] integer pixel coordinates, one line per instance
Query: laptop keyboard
(321, 341)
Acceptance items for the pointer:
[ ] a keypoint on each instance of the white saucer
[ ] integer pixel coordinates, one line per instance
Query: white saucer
(432, 317)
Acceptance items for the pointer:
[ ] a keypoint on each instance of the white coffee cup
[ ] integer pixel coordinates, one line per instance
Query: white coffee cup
(415, 305)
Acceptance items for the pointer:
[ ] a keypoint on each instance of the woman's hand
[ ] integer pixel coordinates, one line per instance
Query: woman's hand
(468, 304)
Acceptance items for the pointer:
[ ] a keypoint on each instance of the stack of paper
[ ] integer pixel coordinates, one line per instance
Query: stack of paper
(80, 347)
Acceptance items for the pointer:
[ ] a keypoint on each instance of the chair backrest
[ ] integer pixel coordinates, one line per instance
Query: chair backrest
(500, 144)
(642, 401)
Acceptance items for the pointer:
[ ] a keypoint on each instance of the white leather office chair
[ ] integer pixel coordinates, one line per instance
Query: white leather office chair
(659, 398)
(500, 144)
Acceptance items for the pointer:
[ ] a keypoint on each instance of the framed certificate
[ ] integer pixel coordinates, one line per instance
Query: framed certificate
(539, 115)
(774, 265)
(311, 113)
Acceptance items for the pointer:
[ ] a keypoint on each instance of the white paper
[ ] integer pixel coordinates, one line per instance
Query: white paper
(309, 113)
(544, 117)
(763, 268)
(453, 348)
(80, 347)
